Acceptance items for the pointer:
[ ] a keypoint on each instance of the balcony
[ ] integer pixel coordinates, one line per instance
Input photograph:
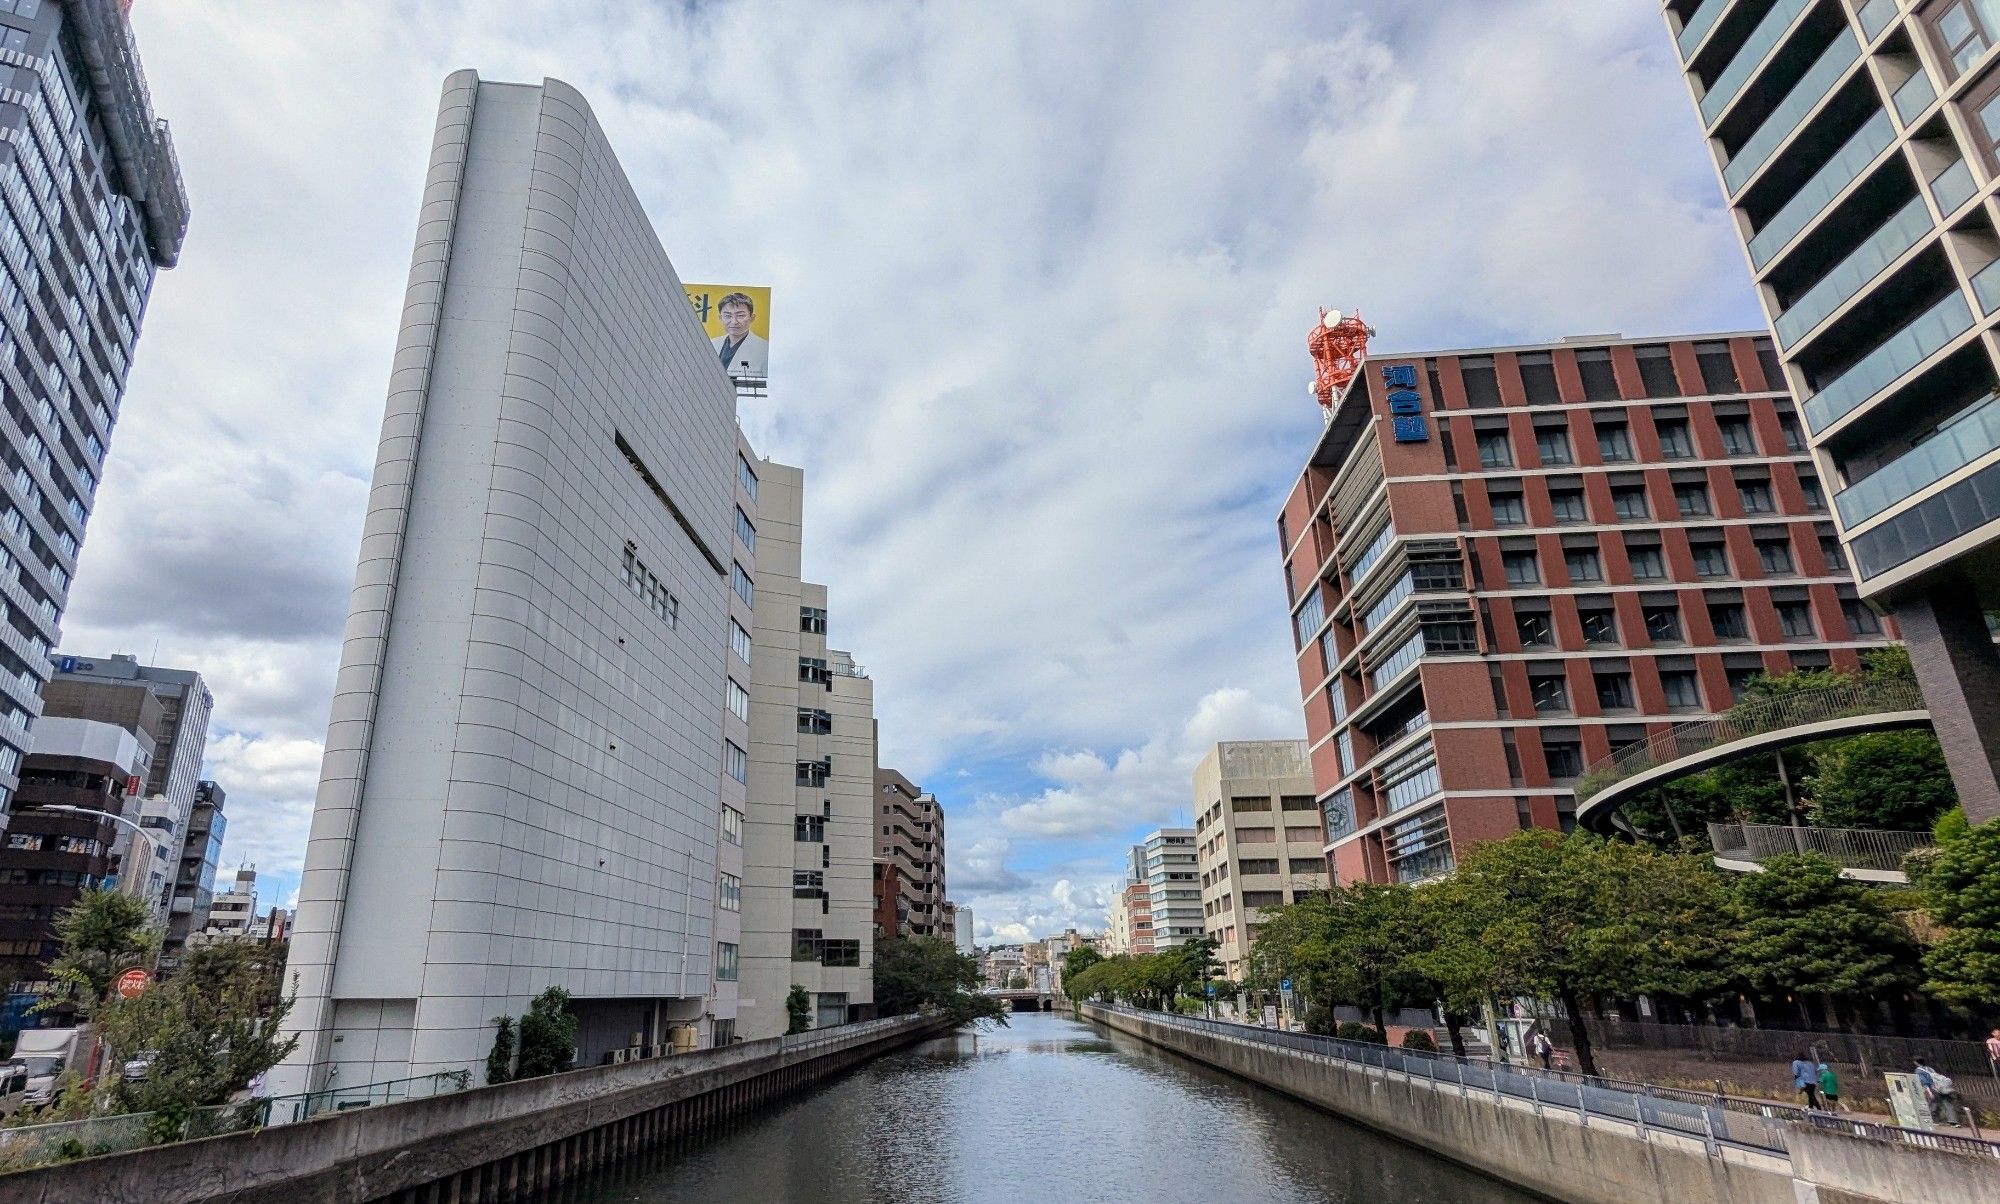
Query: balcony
(1900, 353)
(1697, 27)
(1875, 136)
(1953, 187)
(1862, 854)
(1916, 94)
(1902, 231)
(1750, 56)
(1958, 443)
(1878, 15)
(1814, 86)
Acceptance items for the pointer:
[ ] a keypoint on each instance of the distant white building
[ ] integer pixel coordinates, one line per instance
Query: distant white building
(961, 929)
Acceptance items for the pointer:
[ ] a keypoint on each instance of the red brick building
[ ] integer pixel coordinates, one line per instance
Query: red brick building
(1504, 563)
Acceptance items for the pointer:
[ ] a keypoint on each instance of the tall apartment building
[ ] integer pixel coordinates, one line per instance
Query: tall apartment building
(530, 734)
(103, 687)
(808, 879)
(194, 881)
(50, 857)
(910, 835)
(961, 928)
(1858, 145)
(1505, 563)
(1258, 837)
(1165, 864)
(93, 205)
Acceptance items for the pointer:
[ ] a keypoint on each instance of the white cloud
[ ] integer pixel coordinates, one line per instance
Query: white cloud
(1043, 275)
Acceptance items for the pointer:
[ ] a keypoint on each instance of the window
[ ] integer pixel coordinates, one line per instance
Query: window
(1494, 449)
(1305, 865)
(1861, 620)
(1568, 505)
(1727, 620)
(1656, 371)
(740, 582)
(1263, 898)
(732, 824)
(809, 829)
(1736, 437)
(838, 952)
(1663, 624)
(746, 475)
(725, 962)
(1711, 557)
(1756, 496)
(1775, 555)
(1453, 635)
(1564, 759)
(1647, 564)
(1248, 804)
(1614, 442)
(1521, 568)
(1600, 382)
(1550, 692)
(1675, 442)
(1310, 617)
(812, 773)
(729, 892)
(745, 530)
(1630, 502)
(1814, 496)
(815, 721)
(1683, 691)
(1794, 441)
(1600, 624)
(808, 884)
(1964, 29)
(739, 641)
(1552, 444)
(1795, 620)
(1534, 629)
(1691, 500)
(1767, 361)
(813, 669)
(1831, 551)
(1482, 384)
(739, 701)
(1718, 368)
(1508, 510)
(735, 762)
(1297, 802)
(1583, 564)
(1614, 690)
(1538, 377)
(812, 620)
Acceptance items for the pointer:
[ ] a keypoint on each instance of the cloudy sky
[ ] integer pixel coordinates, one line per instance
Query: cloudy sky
(1043, 275)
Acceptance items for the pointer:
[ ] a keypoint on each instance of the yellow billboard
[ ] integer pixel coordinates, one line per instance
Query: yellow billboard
(737, 319)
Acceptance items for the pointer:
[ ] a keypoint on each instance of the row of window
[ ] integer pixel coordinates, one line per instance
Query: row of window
(648, 588)
(1584, 565)
(1714, 363)
(1630, 503)
(1614, 440)
(36, 842)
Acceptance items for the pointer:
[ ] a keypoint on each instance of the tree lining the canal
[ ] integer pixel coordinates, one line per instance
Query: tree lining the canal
(1175, 979)
(915, 973)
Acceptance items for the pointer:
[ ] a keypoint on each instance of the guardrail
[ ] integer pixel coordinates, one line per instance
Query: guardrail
(1746, 719)
(1718, 1120)
(1851, 848)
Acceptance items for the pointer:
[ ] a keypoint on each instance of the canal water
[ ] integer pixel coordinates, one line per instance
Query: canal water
(1047, 1109)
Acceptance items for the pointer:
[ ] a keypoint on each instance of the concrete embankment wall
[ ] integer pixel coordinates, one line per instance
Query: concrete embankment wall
(1551, 1153)
(490, 1145)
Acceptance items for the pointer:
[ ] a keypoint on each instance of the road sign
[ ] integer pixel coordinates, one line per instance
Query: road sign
(1211, 990)
(132, 983)
(1285, 985)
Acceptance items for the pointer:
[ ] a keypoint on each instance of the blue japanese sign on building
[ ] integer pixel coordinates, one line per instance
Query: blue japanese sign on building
(1406, 406)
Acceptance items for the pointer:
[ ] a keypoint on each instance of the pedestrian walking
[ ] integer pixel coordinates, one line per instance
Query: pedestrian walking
(1542, 1047)
(1829, 1087)
(1805, 1079)
(1939, 1092)
(1993, 1052)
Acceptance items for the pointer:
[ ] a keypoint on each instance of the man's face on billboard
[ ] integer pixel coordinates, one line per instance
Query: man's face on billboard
(736, 319)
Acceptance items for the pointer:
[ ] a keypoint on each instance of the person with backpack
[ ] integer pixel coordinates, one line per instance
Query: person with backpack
(1805, 1079)
(1939, 1092)
(1829, 1087)
(1543, 1048)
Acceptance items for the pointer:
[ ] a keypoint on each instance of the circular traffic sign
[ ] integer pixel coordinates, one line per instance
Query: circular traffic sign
(132, 983)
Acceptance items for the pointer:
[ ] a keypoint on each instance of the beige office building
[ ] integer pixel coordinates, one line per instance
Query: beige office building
(1257, 839)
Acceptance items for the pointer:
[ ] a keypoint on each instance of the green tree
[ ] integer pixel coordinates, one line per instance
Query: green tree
(548, 1035)
(500, 1062)
(1805, 930)
(102, 935)
(1079, 959)
(1964, 885)
(1017, 981)
(912, 973)
(1892, 780)
(798, 1010)
(212, 1027)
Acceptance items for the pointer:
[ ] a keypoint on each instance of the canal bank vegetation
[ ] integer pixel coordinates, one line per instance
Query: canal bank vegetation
(913, 974)
(1172, 980)
(1591, 925)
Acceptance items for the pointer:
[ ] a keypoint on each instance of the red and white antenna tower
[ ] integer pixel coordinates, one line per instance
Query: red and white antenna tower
(1339, 344)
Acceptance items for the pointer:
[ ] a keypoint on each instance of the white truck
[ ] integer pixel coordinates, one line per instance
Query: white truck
(43, 1054)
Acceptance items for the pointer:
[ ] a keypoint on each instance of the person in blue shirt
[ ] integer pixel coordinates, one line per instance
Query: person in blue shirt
(1939, 1092)
(1805, 1079)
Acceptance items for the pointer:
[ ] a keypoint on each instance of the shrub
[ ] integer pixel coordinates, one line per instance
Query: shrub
(1354, 1031)
(500, 1063)
(548, 1035)
(1418, 1038)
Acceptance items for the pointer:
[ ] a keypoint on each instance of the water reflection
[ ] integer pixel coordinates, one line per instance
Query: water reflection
(1048, 1109)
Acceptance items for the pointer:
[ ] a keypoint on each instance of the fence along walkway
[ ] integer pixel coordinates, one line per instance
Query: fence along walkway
(1717, 1121)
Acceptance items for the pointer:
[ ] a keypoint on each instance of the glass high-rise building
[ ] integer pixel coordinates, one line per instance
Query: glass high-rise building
(93, 205)
(1858, 146)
